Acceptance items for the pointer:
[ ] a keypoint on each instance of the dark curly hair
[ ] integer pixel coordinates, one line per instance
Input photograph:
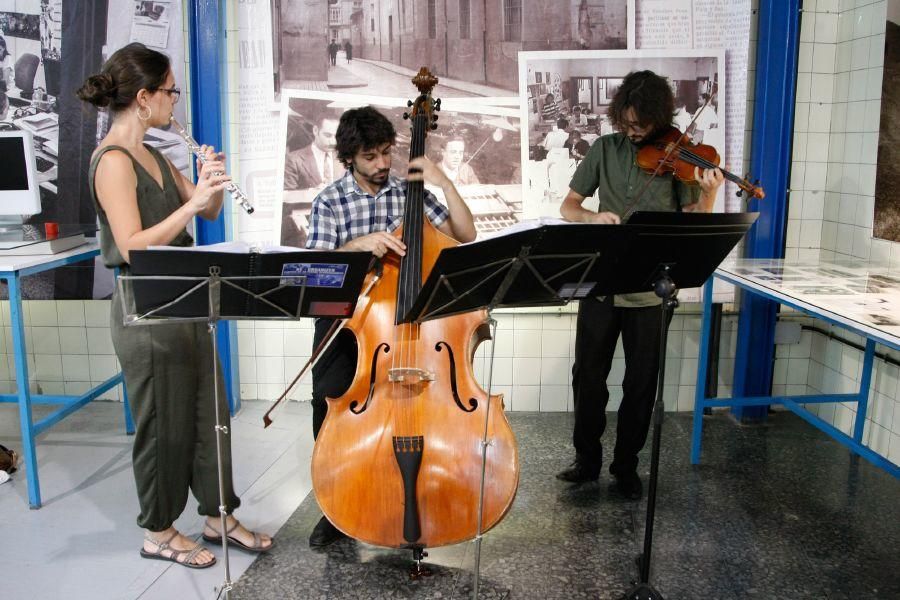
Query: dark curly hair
(651, 98)
(362, 129)
(129, 70)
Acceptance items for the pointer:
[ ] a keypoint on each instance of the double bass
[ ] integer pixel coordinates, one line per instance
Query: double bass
(398, 460)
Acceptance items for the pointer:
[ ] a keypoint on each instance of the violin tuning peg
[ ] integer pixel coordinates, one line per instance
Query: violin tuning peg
(434, 117)
(409, 103)
(437, 104)
(405, 115)
(434, 125)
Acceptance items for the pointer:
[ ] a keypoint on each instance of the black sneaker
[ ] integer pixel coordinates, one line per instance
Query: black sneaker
(324, 534)
(579, 472)
(628, 486)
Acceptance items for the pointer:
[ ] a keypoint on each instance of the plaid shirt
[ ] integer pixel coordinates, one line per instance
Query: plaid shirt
(343, 211)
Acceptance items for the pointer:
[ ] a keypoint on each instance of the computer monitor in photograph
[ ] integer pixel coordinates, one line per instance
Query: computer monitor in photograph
(19, 193)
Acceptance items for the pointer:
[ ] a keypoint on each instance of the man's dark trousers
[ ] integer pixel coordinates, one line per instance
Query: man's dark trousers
(334, 371)
(599, 325)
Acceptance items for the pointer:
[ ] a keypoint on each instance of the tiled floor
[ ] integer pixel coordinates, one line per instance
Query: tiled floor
(83, 542)
(778, 511)
(775, 512)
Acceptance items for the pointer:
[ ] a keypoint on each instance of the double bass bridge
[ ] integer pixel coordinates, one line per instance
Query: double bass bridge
(411, 375)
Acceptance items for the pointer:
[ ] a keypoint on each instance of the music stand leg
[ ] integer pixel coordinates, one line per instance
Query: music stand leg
(221, 430)
(666, 290)
(484, 446)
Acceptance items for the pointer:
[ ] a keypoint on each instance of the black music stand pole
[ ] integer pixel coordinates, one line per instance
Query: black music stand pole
(665, 288)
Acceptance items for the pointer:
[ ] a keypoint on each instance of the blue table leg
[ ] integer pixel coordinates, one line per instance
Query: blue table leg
(865, 382)
(17, 319)
(129, 421)
(703, 366)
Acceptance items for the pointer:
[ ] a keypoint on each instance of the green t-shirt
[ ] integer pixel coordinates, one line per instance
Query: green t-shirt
(609, 169)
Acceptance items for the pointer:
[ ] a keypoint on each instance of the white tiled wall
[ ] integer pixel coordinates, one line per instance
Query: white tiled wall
(69, 347)
(832, 198)
(70, 350)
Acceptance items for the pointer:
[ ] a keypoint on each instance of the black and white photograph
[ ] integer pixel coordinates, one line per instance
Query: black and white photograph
(373, 47)
(152, 11)
(479, 152)
(38, 75)
(566, 114)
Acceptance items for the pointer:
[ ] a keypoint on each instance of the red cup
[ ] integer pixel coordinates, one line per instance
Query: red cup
(51, 230)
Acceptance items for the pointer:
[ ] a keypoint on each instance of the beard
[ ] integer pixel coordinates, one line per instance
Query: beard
(376, 178)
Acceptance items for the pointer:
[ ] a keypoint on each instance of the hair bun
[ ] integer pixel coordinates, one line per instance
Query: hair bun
(98, 90)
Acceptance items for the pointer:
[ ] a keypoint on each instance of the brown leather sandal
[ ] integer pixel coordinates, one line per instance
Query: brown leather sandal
(189, 555)
(257, 546)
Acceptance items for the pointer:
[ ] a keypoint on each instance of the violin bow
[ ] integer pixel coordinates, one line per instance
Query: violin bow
(330, 336)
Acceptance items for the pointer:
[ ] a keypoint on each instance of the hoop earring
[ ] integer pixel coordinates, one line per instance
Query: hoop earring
(149, 113)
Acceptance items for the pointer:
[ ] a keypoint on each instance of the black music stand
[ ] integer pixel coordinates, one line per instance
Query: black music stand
(206, 286)
(553, 264)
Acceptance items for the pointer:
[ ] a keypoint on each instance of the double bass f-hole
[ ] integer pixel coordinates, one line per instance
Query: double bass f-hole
(365, 405)
(473, 403)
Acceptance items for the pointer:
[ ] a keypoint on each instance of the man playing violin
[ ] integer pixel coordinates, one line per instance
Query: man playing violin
(358, 212)
(642, 108)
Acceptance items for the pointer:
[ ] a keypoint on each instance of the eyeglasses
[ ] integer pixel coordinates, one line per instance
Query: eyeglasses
(172, 92)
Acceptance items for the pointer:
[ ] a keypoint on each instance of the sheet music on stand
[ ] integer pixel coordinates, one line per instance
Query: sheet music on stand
(550, 262)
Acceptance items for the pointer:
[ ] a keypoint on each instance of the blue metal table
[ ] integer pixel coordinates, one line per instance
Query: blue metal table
(864, 299)
(12, 269)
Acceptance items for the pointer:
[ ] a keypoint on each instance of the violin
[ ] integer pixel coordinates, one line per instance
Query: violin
(398, 461)
(672, 152)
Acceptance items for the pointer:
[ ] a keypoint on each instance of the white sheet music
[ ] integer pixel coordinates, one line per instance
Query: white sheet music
(234, 247)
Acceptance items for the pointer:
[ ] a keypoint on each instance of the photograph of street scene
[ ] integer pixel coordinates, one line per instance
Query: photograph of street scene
(375, 47)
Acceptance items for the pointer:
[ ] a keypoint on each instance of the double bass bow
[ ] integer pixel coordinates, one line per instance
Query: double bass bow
(398, 460)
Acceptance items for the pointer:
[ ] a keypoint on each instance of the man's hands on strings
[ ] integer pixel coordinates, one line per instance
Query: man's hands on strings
(709, 181)
(378, 243)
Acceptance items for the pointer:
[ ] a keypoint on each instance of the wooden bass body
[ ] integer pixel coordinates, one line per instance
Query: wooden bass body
(398, 460)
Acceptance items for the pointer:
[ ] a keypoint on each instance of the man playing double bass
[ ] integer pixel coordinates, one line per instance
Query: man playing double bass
(642, 108)
(358, 212)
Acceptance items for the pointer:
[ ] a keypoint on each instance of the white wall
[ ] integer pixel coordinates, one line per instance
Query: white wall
(832, 200)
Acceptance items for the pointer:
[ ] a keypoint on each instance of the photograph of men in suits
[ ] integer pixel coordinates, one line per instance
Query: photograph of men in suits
(315, 165)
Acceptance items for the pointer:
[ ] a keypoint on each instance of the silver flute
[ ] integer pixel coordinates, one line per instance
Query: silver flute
(236, 192)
